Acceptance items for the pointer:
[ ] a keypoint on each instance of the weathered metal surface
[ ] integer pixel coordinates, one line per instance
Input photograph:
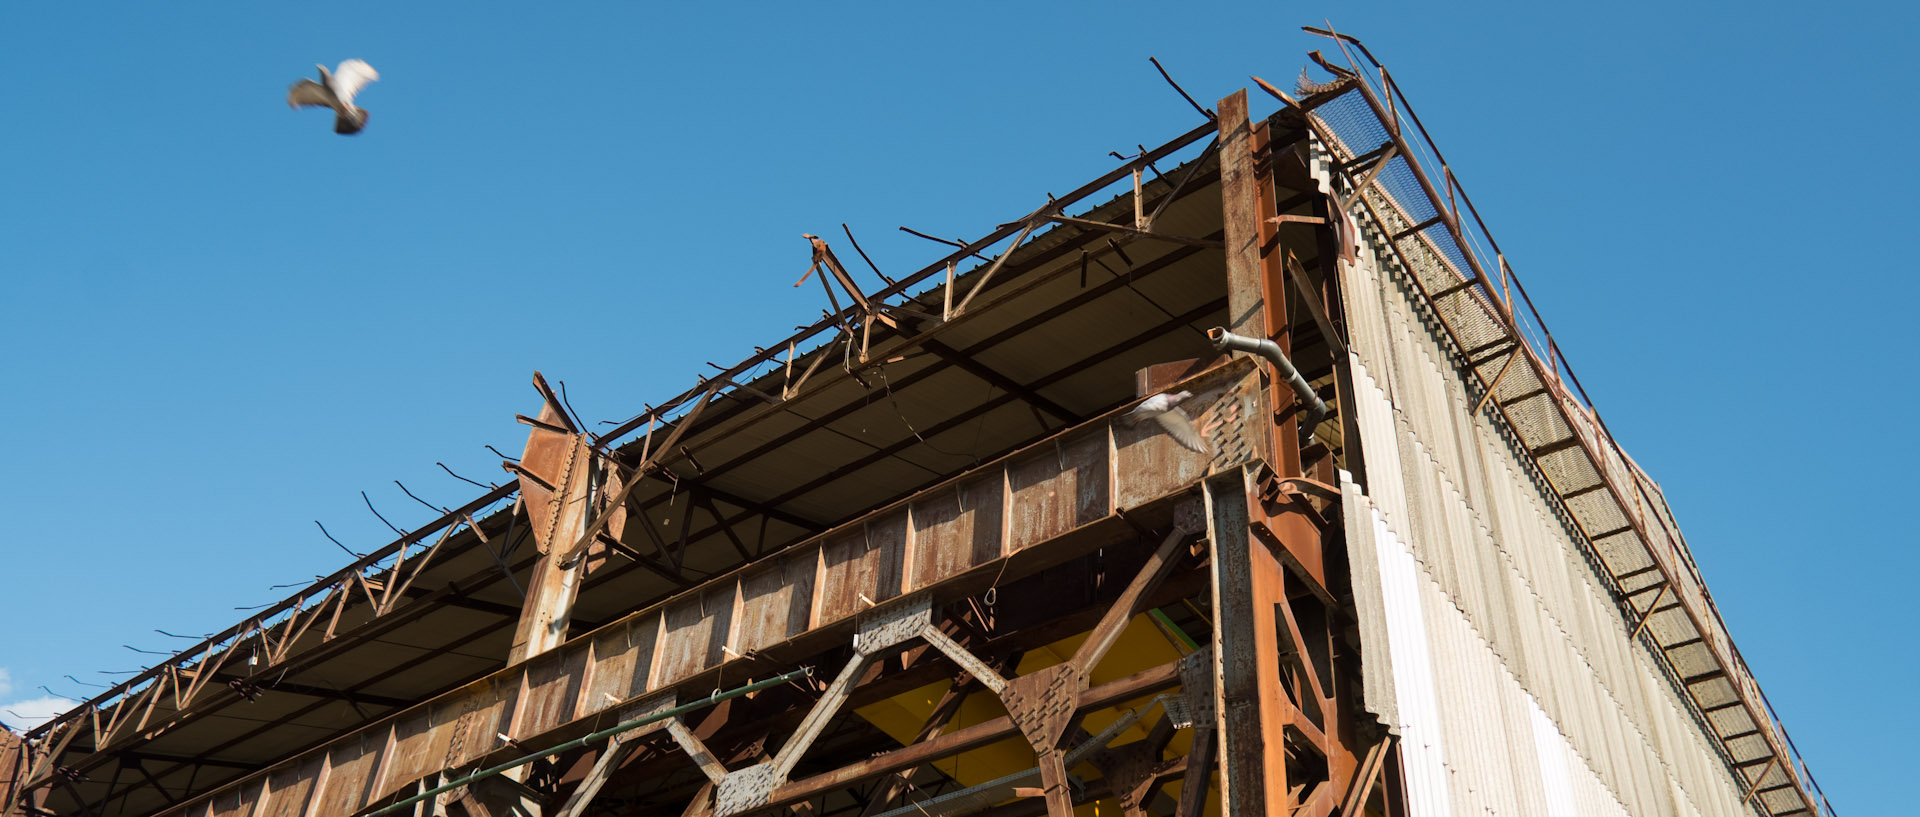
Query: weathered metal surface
(972, 737)
(968, 516)
(864, 565)
(1057, 490)
(622, 663)
(775, 602)
(692, 631)
(13, 770)
(1238, 654)
(892, 625)
(1239, 196)
(1042, 702)
(556, 495)
(551, 692)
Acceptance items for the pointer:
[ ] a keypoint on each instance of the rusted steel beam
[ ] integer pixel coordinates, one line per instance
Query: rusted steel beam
(655, 460)
(1057, 375)
(1104, 634)
(1311, 297)
(345, 574)
(557, 456)
(775, 606)
(1199, 774)
(937, 267)
(1143, 272)
(943, 712)
(1240, 207)
(1238, 654)
(973, 737)
(1031, 223)
(611, 756)
(1203, 243)
(309, 709)
(1267, 279)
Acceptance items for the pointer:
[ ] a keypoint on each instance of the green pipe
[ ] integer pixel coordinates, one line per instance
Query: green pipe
(597, 737)
(1174, 628)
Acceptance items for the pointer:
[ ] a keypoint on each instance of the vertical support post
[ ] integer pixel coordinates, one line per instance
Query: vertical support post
(1274, 304)
(1239, 203)
(1139, 206)
(1266, 591)
(1247, 784)
(557, 455)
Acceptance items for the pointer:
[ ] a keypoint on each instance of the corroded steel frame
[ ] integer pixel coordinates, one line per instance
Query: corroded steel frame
(1071, 494)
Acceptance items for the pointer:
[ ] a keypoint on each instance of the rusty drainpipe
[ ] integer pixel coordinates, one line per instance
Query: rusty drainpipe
(1316, 408)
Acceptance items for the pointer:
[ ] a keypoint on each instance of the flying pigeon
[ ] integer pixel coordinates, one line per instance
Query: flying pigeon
(336, 91)
(1165, 410)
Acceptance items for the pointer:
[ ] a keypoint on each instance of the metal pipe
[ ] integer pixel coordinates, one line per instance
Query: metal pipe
(1316, 408)
(596, 737)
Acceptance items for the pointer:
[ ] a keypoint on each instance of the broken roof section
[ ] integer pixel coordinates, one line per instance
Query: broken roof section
(1035, 327)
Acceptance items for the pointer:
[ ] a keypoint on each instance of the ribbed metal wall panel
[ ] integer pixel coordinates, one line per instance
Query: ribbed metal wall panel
(1461, 495)
(1473, 741)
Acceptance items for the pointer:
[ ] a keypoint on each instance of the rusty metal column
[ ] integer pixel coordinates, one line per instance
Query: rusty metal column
(555, 487)
(1252, 759)
(1239, 203)
(1251, 782)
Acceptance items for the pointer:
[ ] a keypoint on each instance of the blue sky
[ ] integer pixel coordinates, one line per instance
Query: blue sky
(222, 321)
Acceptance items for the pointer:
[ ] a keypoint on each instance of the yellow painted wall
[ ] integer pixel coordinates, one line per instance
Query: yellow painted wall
(1141, 646)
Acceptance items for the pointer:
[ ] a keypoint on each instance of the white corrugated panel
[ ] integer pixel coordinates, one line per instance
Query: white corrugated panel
(1512, 601)
(1472, 740)
(1422, 754)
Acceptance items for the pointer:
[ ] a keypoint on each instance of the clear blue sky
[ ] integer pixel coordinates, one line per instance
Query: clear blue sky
(221, 321)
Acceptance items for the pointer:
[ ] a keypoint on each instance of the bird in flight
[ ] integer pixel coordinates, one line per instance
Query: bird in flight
(336, 91)
(1165, 410)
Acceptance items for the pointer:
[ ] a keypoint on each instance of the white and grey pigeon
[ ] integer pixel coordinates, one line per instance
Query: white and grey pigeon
(1165, 410)
(336, 91)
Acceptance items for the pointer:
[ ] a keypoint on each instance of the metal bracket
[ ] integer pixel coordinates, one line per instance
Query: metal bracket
(1042, 704)
(1194, 706)
(745, 790)
(889, 626)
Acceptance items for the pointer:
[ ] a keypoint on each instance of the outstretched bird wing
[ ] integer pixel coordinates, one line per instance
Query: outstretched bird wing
(350, 77)
(1181, 429)
(309, 93)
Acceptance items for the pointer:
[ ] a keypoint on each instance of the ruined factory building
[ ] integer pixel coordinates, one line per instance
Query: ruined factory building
(921, 558)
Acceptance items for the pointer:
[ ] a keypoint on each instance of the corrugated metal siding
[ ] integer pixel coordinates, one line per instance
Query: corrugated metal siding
(1473, 741)
(1496, 555)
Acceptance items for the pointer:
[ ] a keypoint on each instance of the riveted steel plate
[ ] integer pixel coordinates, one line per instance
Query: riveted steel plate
(892, 624)
(744, 790)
